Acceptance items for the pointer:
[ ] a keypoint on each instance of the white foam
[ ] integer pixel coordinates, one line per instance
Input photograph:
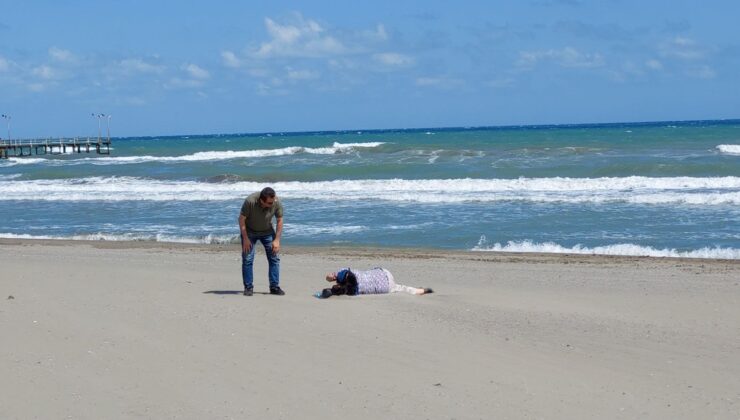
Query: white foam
(625, 249)
(205, 239)
(294, 230)
(336, 148)
(311, 230)
(637, 190)
(12, 161)
(730, 149)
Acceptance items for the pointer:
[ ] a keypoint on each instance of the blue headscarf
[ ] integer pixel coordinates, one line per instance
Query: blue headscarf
(342, 275)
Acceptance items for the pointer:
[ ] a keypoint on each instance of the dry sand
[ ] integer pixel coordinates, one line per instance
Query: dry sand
(130, 330)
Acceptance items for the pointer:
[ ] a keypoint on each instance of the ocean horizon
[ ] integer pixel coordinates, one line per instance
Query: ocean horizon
(669, 188)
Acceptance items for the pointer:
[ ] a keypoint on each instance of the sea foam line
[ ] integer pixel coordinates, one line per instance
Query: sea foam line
(133, 237)
(336, 148)
(730, 149)
(294, 230)
(637, 190)
(624, 249)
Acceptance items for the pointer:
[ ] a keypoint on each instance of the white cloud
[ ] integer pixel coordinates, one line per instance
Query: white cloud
(653, 64)
(303, 38)
(4, 64)
(179, 83)
(703, 72)
(259, 72)
(393, 59)
(342, 64)
(271, 89)
(439, 82)
(566, 57)
(36, 87)
(230, 59)
(134, 101)
(137, 65)
(196, 77)
(379, 34)
(428, 81)
(60, 55)
(302, 74)
(501, 83)
(528, 59)
(196, 72)
(46, 72)
(683, 48)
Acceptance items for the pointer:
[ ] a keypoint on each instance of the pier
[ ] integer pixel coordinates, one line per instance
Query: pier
(20, 148)
(30, 147)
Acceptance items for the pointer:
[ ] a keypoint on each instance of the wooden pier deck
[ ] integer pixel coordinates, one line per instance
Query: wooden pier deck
(20, 148)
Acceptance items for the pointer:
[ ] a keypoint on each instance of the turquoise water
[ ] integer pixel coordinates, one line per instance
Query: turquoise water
(636, 189)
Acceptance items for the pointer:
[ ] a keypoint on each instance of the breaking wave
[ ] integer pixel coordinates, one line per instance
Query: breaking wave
(336, 148)
(114, 237)
(730, 149)
(615, 249)
(634, 189)
(295, 230)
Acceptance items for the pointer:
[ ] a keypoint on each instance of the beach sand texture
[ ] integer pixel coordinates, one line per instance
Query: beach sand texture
(94, 330)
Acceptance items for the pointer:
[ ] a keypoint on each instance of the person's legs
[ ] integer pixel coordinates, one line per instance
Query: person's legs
(406, 289)
(273, 261)
(395, 287)
(247, 264)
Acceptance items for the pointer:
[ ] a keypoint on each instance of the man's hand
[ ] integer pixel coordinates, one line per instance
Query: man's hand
(276, 246)
(246, 244)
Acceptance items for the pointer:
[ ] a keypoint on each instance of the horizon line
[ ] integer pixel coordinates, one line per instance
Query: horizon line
(411, 129)
(449, 128)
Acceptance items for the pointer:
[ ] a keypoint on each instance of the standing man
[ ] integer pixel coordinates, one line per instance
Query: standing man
(255, 223)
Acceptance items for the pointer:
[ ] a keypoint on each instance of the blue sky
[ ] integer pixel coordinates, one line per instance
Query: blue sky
(186, 67)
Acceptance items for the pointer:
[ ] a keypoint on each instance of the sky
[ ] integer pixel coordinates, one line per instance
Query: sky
(196, 67)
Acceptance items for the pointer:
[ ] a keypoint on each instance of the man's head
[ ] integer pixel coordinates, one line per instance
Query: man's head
(331, 276)
(267, 197)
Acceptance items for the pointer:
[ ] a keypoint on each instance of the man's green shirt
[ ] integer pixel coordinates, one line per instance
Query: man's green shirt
(259, 220)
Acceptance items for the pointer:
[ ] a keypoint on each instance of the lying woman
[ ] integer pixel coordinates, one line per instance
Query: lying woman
(356, 282)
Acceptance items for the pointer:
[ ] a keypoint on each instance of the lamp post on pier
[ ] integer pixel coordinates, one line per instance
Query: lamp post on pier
(7, 118)
(108, 126)
(98, 116)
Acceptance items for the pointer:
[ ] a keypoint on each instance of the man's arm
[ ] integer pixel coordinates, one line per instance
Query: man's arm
(278, 234)
(246, 244)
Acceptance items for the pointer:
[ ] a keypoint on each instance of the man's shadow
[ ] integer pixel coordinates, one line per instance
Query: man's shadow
(231, 292)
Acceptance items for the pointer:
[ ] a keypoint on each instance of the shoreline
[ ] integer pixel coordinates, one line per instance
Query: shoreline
(368, 251)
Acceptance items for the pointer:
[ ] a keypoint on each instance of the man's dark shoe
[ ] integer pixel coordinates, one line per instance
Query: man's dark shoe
(276, 291)
(248, 291)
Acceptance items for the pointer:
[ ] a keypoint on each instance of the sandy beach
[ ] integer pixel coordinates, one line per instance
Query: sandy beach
(96, 330)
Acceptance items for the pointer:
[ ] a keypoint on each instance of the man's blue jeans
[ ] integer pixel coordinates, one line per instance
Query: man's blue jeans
(272, 259)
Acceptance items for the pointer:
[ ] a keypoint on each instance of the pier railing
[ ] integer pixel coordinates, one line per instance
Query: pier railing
(29, 147)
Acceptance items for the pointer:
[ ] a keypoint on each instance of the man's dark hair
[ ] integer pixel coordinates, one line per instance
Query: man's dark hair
(267, 192)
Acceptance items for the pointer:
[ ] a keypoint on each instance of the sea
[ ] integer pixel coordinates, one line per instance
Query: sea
(662, 189)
